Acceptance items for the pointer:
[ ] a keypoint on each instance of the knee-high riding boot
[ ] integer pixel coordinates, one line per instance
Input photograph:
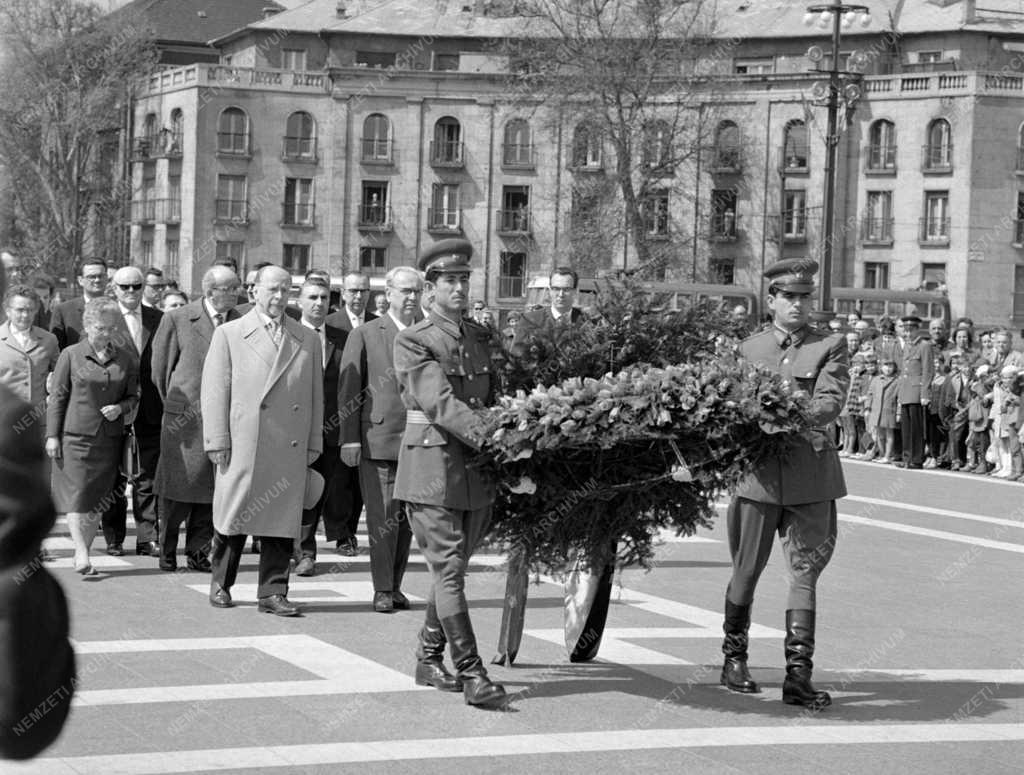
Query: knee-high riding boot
(430, 669)
(477, 688)
(797, 688)
(735, 676)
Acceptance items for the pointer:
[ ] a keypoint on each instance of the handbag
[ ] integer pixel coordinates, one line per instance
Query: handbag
(130, 465)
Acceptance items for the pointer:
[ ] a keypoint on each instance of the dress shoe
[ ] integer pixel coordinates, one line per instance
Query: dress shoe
(400, 601)
(383, 603)
(115, 550)
(348, 547)
(277, 605)
(148, 548)
(199, 564)
(305, 567)
(168, 565)
(220, 597)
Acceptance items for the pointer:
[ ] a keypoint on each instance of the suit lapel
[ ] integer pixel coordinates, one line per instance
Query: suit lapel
(291, 343)
(201, 323)
(258, 337)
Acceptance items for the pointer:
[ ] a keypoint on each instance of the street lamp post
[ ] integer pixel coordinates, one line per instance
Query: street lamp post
(838, 15)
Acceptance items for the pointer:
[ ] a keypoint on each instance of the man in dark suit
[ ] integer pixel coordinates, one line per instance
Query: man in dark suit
(140, 323)
(347, 493)
(314, 302)
(916, 366)
(372, 424)
(562, 284)
(66, 318)
(184, 473)
(795, 495)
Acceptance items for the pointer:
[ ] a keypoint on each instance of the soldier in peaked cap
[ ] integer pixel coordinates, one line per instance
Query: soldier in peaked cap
(444, 371)
(916, 365)
(793, 496)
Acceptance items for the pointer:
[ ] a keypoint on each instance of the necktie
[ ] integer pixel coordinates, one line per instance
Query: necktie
(275, 332)
(217, 319)
(323, 344)
(134, 328)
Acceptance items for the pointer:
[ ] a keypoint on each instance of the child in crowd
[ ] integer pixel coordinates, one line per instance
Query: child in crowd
(935, 429)
(883, 409)
(1005, 416)
(954, 403)
(869, 451)
(851, 416)
(978, 422)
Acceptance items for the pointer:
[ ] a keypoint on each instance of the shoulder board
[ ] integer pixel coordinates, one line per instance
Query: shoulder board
(418, 326)
(759, 335)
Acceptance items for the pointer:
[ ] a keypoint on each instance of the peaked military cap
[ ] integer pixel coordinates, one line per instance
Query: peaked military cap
(911, 319)
(795, 275)
(449, 255)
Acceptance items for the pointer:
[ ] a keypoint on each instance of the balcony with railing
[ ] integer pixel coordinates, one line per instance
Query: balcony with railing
(447, 153)
(143, 210)
(299, 149)
(726, 161)
(250, 78)
(876, 231)
(517, 156)
(374, 217)
(234, 144)
(880, 160)
(513, 221)
(298, 214)
(937, 159)
(444, 220)
(933, 231)
(376, 151)
(723, 227)
(231, 211)
(142, 148)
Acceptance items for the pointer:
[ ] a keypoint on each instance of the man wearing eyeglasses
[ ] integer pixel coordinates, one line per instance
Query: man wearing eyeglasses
(154, 290)
(562, 284)
(66, 321)
(348, 494)
(135, 338)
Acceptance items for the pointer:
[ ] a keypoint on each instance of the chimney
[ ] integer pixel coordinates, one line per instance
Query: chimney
(269, 11)
(340, 11)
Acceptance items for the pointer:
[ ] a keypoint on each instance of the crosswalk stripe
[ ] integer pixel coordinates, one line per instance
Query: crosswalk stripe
(491, 747)
(937, 512)
(928, 532)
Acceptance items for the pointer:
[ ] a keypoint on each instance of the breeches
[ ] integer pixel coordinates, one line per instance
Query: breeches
(447, 538)
(808, 535)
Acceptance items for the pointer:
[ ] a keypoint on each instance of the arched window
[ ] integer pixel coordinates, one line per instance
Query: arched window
(794, 149)
(233, 132)
(300, 136)
(727, 146)
(376, 138)
(938, 153)
(882, 148)
(447, 146)
(150, 129)
(177, 130)
(518, 146)
(657, 145)
(586, 147)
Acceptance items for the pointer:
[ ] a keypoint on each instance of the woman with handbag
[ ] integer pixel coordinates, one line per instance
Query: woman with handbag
(95, 389)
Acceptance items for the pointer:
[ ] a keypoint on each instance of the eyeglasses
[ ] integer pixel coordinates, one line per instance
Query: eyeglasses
(156, 285)
(94, 277)
(357, 290)
(130, 286)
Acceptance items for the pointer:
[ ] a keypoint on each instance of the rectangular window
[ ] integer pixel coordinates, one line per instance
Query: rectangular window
(515, 209)
(173, 258)
(146, 249)
(723, 213)
(754, 66)
(446, 61)
(1018, 292)
(373, 260)
(174, 198)
(232, 250)
(926, 57)
(298, 201)
(655, 212)
(794, 215)
(878, 219)
(375, 58)
(373, 208)
(295, 258)
(231, 198)
(724, 271)
(1018, 223)
(876, 275)
(936, 217)
(148, 199)
(444, 213)
(293, 59)
(933, 277)
(512, 276)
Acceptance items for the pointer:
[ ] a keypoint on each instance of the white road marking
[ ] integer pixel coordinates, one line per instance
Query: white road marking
(613, 649)
(360, 592)
(493, 746)
(336, 671)
(930, 533)
(97, 561)
(938, 512)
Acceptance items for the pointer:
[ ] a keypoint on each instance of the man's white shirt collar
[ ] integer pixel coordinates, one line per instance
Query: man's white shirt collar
(356, 320)
(401, 326)
(555, 313)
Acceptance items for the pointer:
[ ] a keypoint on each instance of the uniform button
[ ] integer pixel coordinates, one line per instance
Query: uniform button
(295, 443)
(469, 377)
(785, 360)
(295, 408)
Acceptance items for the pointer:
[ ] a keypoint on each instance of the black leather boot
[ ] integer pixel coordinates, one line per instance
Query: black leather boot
(477, 688)
(735, 676)
(430, 669)
(797, 688)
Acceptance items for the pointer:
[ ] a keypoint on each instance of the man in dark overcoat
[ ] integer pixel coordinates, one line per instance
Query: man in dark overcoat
(562, 284)
(372, 424)
(443, 366)
(66, 318)
(917, 367)
(184, 473)
(793, 496)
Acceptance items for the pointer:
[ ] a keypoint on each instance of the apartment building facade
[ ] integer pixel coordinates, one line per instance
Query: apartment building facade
(350, 141)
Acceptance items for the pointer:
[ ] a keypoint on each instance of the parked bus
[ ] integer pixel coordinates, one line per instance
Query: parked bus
(873, 303)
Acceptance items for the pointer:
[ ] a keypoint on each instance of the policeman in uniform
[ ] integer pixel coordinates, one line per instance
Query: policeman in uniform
(794, 495)
(443, 367)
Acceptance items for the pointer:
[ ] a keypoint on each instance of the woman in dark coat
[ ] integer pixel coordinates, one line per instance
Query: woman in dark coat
(95, 390)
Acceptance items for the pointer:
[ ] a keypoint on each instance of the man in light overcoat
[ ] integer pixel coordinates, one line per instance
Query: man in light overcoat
(262, 400)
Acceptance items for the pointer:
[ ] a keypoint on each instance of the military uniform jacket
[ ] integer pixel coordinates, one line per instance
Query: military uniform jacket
(811, 471)
(444, 371)
(917, 367)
